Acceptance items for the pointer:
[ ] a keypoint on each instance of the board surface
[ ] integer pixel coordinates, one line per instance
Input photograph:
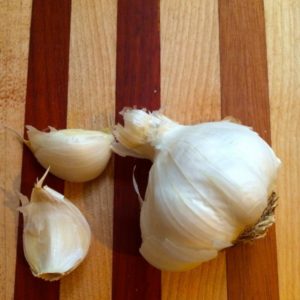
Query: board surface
(78, 63)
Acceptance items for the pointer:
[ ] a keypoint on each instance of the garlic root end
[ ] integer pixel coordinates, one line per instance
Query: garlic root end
(259, 230)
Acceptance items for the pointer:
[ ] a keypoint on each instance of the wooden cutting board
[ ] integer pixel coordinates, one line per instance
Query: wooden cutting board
(78, 63)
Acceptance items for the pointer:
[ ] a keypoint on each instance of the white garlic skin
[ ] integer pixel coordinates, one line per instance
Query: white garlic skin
(75, 155)
(207, 183)
(56, 235)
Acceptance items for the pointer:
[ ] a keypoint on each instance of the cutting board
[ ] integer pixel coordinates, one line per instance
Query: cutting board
(77, 63)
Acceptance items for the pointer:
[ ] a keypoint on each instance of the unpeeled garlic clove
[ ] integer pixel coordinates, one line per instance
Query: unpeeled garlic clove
(56, 235)
(74, 155)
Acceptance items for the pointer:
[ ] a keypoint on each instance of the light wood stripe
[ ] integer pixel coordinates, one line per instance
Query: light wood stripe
(14, 44)
(190, 91)
(251, 269)
(283, 43)
(91, 105)
(190, 65)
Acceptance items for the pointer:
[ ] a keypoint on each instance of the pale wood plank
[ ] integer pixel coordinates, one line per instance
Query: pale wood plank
(14, 44)
(190, 71)
(283, 45)
(190, 93)
(205, 282)
(91, 104)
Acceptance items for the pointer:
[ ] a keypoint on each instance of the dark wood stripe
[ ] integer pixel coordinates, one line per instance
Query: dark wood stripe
(138, 84)
(46, 104)
(251, 269)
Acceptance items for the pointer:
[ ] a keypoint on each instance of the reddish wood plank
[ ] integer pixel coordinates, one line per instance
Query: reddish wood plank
(137, 83)
(46, 104)
(251, 269)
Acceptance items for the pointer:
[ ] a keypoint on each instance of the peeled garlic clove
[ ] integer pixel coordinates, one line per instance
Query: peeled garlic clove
(56, 235)
(74, 155)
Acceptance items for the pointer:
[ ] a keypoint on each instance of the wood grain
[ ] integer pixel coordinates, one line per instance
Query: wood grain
(137, 83)
(190, 94)
(91, 105)
(251, 269)
(190, 65)
(206, 282)
(283, 44)
(46, 104)
(14, 45)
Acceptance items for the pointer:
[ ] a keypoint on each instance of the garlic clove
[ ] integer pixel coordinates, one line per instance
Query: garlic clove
(56, 235)
(140, 133)
(74, 155)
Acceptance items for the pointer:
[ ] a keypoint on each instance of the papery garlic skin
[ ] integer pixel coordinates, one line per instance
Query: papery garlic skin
(207, 183)
(75, 155)
(56, 235)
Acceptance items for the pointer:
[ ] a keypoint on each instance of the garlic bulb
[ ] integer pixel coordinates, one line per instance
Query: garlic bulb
(56, 235)
(74, 155)
(208, 183)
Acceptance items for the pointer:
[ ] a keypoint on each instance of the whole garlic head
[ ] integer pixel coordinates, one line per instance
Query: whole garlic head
(208, 183)
(74, 155)
(56, 235)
